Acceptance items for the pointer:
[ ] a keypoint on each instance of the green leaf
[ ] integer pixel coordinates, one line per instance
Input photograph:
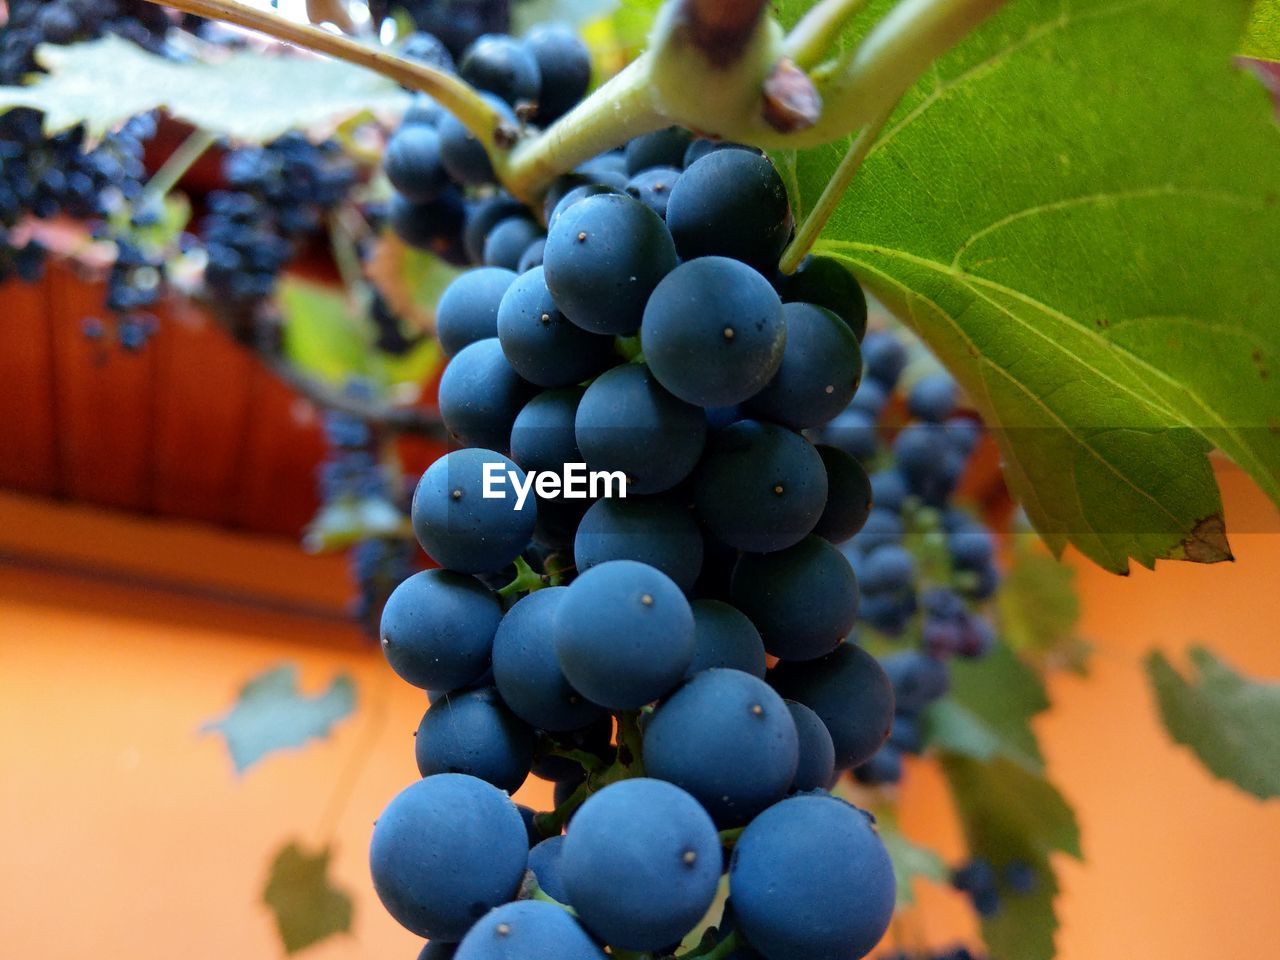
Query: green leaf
(270, 714)
(1228, 721)
(1262, 35)
(910, 860)
(411, 281)
(1086, 236)
(306, 905)
(1012, 815)
(987, 714)
(104, 82)
(323, 335)
(1039, 608)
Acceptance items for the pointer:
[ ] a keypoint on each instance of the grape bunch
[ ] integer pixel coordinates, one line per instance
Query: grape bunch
(44, 177)
(443, 183)
(278, 196)
(924, 564)
(619, 644)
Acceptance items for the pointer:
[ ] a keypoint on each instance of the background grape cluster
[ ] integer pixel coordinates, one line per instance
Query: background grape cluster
(621, 647)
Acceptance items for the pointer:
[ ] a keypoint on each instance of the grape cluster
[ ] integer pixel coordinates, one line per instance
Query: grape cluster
(360, 507)
(43, 177)
(278, 195)
(981, 881)
(924, 564)
(444, 200)
(619, 646)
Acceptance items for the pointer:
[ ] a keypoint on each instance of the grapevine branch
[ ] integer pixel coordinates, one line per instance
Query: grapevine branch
(454, 95)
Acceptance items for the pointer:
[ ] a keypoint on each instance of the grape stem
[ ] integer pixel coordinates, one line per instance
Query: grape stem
(721, 950)
(527, 580)
(180, 161)
(811, 40)
(454, 95)
(708, 69)
(810, 227)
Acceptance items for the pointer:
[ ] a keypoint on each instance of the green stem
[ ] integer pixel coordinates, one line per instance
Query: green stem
(179, 162)
(725, 947)
(454, 95)
(811, 226)
(815, 36)
(620, 109)
(347, 259)
(527, 580)
(729, 837)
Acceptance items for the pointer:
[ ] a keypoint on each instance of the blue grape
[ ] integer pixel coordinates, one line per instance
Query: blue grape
(854, 432)
(828, 283)
(543, 437)
(475, 733)
(760, 487)
(932, 397)
(820, 369)
(624, 634)
(654, 530)
(544, 861)
(528, 930)
(887, 569)
(714, 332)
(803, 600)
(884, 358)
(817, 766)
(432, 226)
(412, 163)
(730, 203)
(724, 637)
(849, 496)
(700, 147)
(462, 154)
(652, 840)
(446, 850)
(437, 629)
(564, 64)
(852, 694)
(468, 308)
(977, 879)
(526, 671)
(532, 255)
(506, 243)
(889, 490)
(729, 740)
(918, 680)
(502, 66)
(652, 187)
(458, 526)
(882, 527)
(483, 216)
(662, 148)
(557, 201)
(481, 394)
(810, 880)
(1021, 877)
(540, 343)
(906, 734)
(627, 421)
(604, 256)
(438, 950)
(883, 768)
(870, 398)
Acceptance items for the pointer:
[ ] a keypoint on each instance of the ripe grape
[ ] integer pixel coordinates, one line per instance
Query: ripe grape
(564, 64)
(817, 765)
(652, 840)
(437, 629)
(504, 67)
(828, 283)
(481, 394)
(624, 634)
(527, 930)
(810, 880)
(729, 740)
(412, 163)
(468, 308)
(474, 732)
(539, 341)
(714, 332)
(445, 851)
(657, 531)
(724, 637)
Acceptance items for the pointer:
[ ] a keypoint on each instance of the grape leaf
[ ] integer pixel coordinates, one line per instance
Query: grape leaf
(910, 860)
(306, 906)
(1262, 35)
(104, 82)
(1077, 208)
(987, 714)
(1039, 608)
(529, 13)
(1012, 815)
(1228, 721)
(410, 280)
(271, 715)
(323, 335)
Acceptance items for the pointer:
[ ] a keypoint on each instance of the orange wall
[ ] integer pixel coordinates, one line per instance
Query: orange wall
(125, 834)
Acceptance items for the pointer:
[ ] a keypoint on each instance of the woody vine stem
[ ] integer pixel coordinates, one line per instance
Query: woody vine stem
(724, 68)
